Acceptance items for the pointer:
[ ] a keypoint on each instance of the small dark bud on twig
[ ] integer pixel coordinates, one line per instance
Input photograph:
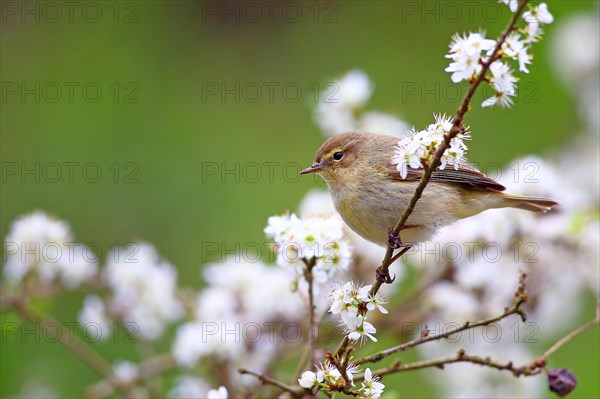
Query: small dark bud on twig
(561, 381)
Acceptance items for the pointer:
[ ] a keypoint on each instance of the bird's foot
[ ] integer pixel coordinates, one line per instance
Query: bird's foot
(383, 276)
(394, 241)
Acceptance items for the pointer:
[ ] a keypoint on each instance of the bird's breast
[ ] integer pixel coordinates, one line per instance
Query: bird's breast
(368, 208)
(373, 207)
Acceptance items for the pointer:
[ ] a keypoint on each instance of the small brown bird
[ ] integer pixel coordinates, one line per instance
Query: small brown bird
(370, 195)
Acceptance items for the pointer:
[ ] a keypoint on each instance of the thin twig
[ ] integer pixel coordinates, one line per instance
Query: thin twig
(297, 391)
(457, 127)
(461, 357)
(300, 368)
(69, 341)
(147, 350)
(573, 334)
(146, 370)
(535, 367)
(520, 299)
(88, 356)
(312, 324)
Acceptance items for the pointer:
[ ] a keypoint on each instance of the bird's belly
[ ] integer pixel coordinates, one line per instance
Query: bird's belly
(372, 213)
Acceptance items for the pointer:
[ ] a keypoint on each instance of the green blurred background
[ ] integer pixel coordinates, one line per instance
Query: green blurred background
(158, 126)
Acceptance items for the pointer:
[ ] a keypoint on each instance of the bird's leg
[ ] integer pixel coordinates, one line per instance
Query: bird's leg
(394, 241)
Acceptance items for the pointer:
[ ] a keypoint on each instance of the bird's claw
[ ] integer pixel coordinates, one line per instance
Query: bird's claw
(384, 277)
(394, 240)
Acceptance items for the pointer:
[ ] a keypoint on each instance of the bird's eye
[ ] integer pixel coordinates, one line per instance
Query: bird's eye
(337, 156)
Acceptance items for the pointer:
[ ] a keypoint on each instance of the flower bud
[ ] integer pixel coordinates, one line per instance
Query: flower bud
(561, 381)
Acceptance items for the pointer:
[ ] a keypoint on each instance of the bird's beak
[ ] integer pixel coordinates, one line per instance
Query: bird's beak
(312, 169)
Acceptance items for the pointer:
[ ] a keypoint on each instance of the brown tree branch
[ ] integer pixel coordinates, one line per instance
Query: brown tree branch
(312, 323)
(520, 299)
(146, 370)
(296, 391)
(535, 367)
(457, 127)
(88, 356)
(574, 333)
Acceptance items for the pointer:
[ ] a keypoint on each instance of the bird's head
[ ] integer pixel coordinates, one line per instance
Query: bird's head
(344, 157)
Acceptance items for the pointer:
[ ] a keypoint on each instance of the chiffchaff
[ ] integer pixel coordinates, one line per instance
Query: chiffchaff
(370, 195)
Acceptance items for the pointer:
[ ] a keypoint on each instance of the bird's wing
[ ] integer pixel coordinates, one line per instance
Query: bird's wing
(466, 175)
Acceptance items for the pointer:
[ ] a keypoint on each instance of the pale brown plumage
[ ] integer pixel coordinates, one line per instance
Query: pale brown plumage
(370, 195)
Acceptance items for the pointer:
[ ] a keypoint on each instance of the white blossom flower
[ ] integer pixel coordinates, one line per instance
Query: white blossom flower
(576, 56)
(534, 32)
(371, 387)
(27, 238)
(504, 84)
(352, 293)
(465, 52)
(347, 300)
(512, 4)
(535, 17)
(220, 393)
(198, 339)
(357, 326)
(334, 118)
(309, 379)
(38, 243)
(379, 122)
(239, 297)
(422, 145)
(342, 105)
(354, 89)
(365, 253)
(576, 49)
(188, 387)
(143, 289)
(328, 374)
(313, 238)
(377, 301)
(463, 68)
(125, 371)
(348, 295)
(515, 47)
(350, 371)
(93, 317)
(243, 290)
(340, 100)
(338, 304)
(485, 275)
(538, 14)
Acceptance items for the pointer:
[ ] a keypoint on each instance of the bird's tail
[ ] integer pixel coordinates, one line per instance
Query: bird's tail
(533, 204)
